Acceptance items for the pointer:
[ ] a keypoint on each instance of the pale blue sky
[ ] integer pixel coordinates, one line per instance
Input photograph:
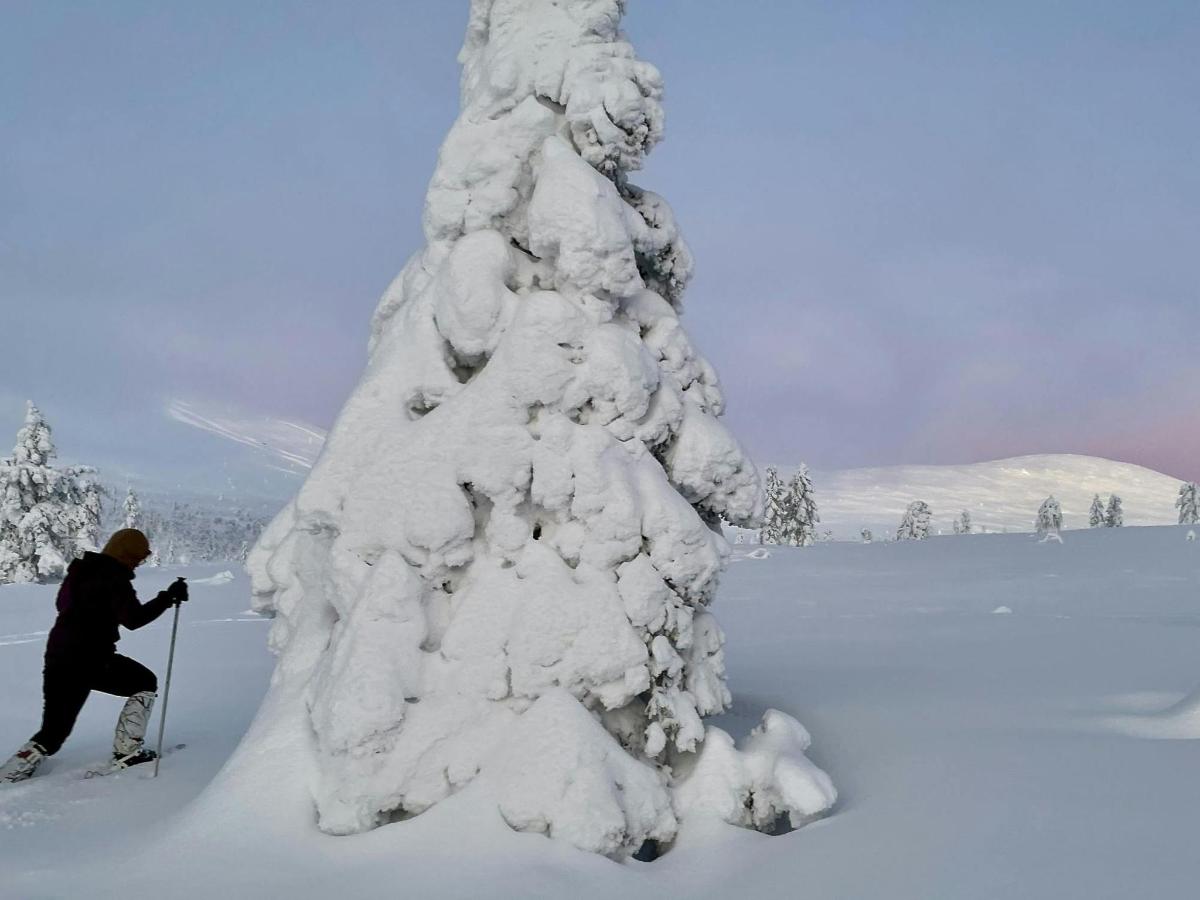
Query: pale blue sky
(925, 232)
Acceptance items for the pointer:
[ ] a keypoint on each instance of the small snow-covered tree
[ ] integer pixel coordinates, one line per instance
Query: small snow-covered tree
(775, 508)
(962, 524)
(800, 511)
(1114, 517)
(501, 566)
(915, 524)
(867, 536)
(1188, 504)
(48, 515)
(1096, 513)
(1049, 517)
(132, 510)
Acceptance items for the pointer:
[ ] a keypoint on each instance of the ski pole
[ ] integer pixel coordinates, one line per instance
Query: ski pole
(162, 718)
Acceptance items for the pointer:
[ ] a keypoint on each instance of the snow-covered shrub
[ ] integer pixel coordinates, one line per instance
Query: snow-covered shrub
(755, 784)
(1113, 515)
(915, 524)
(867, 536)
(775, 508)
(1188, 504)
(500, 568)
(48, 515)
(1049, 517)
(800, 511)
(1096, 513)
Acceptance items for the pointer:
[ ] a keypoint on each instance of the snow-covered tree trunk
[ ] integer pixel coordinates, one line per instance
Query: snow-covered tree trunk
(1096, 513)
(500, 568)
(915, 524)
(1188, 504)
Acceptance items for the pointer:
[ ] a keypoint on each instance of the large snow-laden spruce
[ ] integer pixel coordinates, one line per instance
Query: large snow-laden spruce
(499, 569)
(48, 514)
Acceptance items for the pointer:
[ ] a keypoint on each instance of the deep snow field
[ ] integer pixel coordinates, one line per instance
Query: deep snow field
(979, 754)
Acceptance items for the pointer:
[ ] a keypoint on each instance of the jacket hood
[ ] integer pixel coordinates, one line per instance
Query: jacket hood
(100, 562)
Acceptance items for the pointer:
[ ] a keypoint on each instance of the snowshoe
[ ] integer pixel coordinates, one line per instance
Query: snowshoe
(22, 764)
(133, 759)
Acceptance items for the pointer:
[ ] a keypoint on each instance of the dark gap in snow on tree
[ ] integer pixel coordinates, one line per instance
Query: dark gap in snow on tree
(552, 105)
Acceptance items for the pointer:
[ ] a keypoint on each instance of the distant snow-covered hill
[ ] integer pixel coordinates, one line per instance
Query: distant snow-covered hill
(1000, 495)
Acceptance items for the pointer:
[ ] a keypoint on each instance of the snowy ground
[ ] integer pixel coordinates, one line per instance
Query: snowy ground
(978, 754)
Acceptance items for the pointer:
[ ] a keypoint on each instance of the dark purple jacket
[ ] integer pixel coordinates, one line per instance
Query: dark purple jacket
(96, 596)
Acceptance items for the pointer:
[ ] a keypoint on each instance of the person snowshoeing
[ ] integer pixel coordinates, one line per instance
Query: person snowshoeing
(96, 596)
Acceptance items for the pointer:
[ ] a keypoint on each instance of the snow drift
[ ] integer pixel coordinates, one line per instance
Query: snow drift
(500, 567)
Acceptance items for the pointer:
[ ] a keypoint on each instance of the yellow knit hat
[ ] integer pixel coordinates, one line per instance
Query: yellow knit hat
(128, 546)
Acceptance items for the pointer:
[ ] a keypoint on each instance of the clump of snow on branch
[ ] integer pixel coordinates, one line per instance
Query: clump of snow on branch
(48, 514)
(500, 568)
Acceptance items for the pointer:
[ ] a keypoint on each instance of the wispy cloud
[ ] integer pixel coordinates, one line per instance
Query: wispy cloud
(295, 443)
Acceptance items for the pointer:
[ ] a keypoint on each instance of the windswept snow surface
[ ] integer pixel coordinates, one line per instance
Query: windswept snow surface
(1047, 753)
(1001, 495)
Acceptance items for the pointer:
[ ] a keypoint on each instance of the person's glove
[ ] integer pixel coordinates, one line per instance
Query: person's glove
(178, 591)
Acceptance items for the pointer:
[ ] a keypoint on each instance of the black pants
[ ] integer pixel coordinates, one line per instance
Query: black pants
(66, 686)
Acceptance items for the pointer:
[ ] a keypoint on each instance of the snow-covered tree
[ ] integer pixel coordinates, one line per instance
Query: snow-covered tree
(1113, 516)
(915, 524)
(962, 524)
(132, 510)
(1096, 513)
(867, 536)
(501, 566)
(775, 511)
(1049, 517)
(189, 533)
(800, 511)
(48, 515)
(1188, 503)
